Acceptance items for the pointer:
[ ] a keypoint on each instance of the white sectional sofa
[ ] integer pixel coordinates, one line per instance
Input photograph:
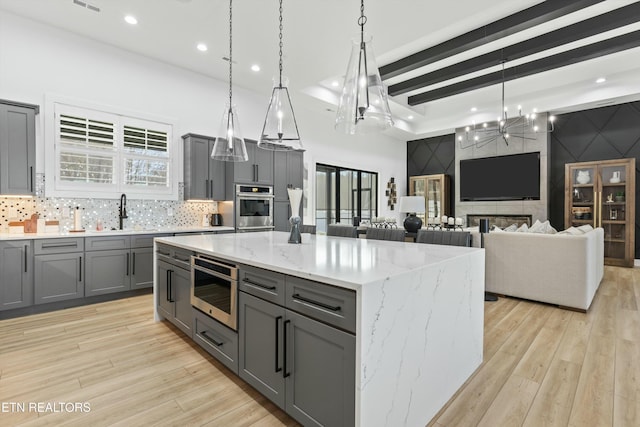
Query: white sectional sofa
(560, 269)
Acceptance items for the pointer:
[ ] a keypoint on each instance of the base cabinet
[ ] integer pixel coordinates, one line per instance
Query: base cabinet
(174, 289)
(58, 277)
(16, 274)
(218, 340)
(304, 366)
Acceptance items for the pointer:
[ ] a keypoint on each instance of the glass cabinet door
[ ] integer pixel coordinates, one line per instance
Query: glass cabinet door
(613, 212)
(583, 195)
(435, 190)
(434, 198)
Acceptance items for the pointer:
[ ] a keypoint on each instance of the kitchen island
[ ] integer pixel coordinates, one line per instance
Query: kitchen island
(419, 311)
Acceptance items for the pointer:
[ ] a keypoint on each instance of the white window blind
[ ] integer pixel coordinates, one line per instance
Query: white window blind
(100, 152)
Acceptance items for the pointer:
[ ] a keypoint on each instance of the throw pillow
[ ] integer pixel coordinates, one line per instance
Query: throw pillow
(585, 228)
(512, 227)
(495, 229)
(523, 228)
(572, 231)
(542, 227)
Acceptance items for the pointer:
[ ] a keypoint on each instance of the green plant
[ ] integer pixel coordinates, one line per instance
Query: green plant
(619, 193)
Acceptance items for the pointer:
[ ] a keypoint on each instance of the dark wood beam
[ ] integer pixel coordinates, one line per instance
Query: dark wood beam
(535, 15)
(595, 50)
(607, 21)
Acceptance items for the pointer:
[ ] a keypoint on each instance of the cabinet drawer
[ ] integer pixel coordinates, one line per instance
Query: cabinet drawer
(264, 284)
(105, 243)
(176, 256)
(145, 240)
(218, 340)
(332, 305)
(58, 246)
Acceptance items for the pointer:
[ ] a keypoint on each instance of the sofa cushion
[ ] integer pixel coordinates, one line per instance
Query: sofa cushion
(523, 228)
(542, 227)
(585, 228)
(512, 227)
(573, 231)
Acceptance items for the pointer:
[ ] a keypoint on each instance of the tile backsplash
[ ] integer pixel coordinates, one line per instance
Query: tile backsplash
(141, 213)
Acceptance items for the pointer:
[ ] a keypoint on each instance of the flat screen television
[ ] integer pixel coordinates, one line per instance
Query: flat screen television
(512, 177)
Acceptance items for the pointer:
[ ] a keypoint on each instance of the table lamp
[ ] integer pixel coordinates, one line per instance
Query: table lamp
(412, 205)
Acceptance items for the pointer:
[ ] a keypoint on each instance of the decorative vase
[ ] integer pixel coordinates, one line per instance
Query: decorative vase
(584, 177)
(295, 197)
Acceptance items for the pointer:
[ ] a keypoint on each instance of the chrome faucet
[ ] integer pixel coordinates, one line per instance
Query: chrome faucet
(123, 209)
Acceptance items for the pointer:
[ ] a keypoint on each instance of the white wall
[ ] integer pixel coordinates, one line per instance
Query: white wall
(38, 60)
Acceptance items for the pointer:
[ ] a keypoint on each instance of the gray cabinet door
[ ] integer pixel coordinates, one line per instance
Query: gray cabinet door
(217, 177)
(107, 272)
(181, 287)
(16, 274)
(280, 179)
(245, 172)
(141, 268)
(320, 370)
(58, 277)
(260, 337)
(295, 168)
(263, 159)
(281, 214)
(17, 149)
(165, 294)
(196, 168)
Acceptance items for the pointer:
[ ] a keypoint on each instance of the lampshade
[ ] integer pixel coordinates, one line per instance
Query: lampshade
(364, 104)
(229, 145)
(412, 204)
(280, 130)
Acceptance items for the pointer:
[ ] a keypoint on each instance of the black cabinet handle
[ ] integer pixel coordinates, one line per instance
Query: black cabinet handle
(211, 189)
(80, 270)
(127, 272)
(316, 303)
(257, 173)
(163, 253)
(260, 285)
(278, 319)
(26, 248)
(211, 339)
(59, 245)
(181, 259)
(285, 374)
(31, 175)
(170, 286)
(133, 268)
(206, 188)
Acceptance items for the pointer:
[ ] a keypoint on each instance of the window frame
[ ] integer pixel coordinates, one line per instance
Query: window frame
(56, 187)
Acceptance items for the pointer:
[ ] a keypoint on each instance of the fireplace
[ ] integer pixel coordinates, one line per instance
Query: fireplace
(501, 221)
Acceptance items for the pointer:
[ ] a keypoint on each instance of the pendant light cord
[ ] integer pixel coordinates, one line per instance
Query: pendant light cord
(230, 52)
(280, 36)
(361, 21)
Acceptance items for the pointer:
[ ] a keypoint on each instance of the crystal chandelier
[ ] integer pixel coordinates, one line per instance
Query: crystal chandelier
(280, 130)
(523, 126)
(364, 104)
(229, 144)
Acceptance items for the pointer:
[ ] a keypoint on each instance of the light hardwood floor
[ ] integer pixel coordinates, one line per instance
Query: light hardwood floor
(543, 366)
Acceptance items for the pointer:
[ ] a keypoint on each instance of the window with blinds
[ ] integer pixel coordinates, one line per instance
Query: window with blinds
(96, 151)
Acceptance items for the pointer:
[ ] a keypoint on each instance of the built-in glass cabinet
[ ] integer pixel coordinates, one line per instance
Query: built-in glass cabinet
(602, 194)
(435, 190)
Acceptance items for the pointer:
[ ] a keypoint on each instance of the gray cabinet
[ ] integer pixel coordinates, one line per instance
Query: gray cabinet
(287, 173)
(141, 268)
(58, 269)
(204, 178)
(257, 170)
(299, 353)
(218, 340)
(108, 265)
(17, 148)
(174, 287)
(16, 274)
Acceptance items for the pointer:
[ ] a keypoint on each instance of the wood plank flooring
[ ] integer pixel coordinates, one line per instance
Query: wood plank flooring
(543, 366)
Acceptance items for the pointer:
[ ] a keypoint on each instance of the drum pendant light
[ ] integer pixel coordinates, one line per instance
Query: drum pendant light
(229, 144)
(280, 130)
(364, 103)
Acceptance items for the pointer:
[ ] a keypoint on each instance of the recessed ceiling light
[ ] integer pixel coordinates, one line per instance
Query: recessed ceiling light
(410, 117)
(335, 83)
(202, 47)
(601, 80)
(474, 109)
(130, 19)
(255, 67)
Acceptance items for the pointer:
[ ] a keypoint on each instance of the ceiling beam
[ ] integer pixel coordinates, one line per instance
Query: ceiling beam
(519, 21)
(598, 24)
(595, 50)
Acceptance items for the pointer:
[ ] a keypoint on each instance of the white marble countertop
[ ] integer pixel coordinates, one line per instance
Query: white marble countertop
(344, 262)
(94, 233)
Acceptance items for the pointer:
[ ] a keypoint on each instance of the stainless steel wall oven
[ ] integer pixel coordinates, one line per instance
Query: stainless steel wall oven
(214, 289)
(254, 208)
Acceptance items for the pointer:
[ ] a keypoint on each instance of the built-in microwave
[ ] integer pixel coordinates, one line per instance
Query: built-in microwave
(214, 289)
(254, 208)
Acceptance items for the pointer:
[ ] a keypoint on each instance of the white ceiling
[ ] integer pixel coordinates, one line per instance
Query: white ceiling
(317, 36)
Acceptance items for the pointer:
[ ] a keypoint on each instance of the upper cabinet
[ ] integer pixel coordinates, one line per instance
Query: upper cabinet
(17, 148)
(287, 173)
(204, 178)
(435, 190)
(602, 194)
(257, 170)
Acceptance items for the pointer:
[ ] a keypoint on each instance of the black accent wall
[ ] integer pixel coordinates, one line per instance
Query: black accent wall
(599, 134)
(430, 156)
